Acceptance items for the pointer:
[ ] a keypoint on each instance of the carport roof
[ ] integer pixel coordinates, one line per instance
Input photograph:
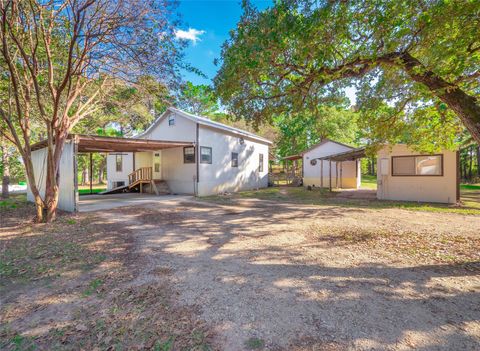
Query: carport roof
(351, 155)
(96, 143)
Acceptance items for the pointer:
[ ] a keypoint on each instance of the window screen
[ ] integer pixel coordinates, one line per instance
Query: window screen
(427, 165)
(205, 154)
(403, 165)
(157, 167)
(234, 159)
(260, 162)
(189, 154)
(118, 163)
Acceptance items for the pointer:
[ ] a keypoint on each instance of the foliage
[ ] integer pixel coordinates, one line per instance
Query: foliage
(61, 59)
(299, 131)
(197, 99)
(409, 56)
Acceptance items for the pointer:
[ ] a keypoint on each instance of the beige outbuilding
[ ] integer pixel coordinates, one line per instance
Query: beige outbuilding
(407, 175)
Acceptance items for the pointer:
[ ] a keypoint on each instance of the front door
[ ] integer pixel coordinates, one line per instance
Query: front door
(157, 165)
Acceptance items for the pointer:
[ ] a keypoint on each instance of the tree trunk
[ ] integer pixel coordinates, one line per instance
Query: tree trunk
(470, 166)
(478, 160)
(101, 170)
(465, 106)
(6, 169)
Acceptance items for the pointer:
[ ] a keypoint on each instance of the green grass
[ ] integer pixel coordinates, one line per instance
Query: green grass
(471, 200)
(369, 181)
(86, 191)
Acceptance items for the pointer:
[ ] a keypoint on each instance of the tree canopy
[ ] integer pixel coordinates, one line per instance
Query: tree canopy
(419, 58)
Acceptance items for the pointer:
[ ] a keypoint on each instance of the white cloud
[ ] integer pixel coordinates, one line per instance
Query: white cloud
(190, 34)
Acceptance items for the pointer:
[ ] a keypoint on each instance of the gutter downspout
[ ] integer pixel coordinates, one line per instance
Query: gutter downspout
(197, 160)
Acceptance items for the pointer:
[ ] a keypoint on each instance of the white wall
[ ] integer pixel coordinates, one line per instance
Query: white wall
(183, 130)
(312, 174)
(127, 168)
(220, 176)
(178, 175)
(67, 193)
(416, 188)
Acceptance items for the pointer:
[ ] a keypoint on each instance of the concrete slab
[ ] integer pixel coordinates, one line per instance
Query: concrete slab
(89, 203)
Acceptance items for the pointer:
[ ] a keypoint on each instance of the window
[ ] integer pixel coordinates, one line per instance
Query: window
(205, 154)
(171, 120)
(260, 163)
(234, 159)
(118, 163)
(189, 154)
(421, 165)
(156, 163)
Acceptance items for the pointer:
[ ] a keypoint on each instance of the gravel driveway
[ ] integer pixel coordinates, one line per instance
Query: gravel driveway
(298, 277)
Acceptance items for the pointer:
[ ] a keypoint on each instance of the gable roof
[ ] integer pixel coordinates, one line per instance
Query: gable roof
(205, 122)
(323, 141)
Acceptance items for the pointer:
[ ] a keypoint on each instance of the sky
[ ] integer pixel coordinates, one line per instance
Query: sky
(206, 25)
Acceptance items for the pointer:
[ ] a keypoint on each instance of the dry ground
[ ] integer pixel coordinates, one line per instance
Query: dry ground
(239, 273)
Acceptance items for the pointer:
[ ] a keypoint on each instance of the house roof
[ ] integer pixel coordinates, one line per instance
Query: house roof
(95, 143)
(206, 122)
(323, 141)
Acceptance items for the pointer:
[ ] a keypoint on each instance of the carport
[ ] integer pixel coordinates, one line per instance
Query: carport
(352, 155)
(89, 144)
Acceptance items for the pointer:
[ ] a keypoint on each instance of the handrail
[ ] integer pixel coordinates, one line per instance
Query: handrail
(143, 173)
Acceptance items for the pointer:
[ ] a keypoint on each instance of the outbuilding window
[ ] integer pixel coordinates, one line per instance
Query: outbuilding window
(118, 163)
(260, 163)
(234, 159)
(205, 154)
(171, 120)
(189, 154)
(418, 165)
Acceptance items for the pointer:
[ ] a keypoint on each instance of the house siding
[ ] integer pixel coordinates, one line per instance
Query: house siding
(220, 176)
(66, 187)
(441, 189)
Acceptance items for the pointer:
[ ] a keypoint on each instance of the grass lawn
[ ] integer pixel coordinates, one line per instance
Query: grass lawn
(96, 188)
(470, 199)
(369, 181)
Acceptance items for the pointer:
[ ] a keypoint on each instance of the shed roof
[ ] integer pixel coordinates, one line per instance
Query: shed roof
(351, 155)
(206, 122)
(96, 143)
(322, 142)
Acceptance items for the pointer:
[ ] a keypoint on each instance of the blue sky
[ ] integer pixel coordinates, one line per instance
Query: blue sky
(206, 25)
(210, 21)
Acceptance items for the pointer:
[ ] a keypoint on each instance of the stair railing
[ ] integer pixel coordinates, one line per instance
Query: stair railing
(143, 173)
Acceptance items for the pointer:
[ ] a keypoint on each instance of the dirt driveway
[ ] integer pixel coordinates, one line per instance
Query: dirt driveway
(308, 277)
(277, 276)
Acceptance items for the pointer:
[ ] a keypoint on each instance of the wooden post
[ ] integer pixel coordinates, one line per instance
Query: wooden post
(321, 174)
(330, 174)
(341, 174)
(91, 173)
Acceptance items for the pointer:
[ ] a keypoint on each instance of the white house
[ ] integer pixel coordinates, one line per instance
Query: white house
(219, 159)
(319, 171)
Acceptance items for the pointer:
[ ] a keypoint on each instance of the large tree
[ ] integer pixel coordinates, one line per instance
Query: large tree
(409, 54)
(60, 57)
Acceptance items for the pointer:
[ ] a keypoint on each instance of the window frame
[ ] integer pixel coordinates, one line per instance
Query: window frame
(418, 175)
(232, 159)
(211, 154)
(118, 169)
(261, 161)
(171, 121)
(185, 155)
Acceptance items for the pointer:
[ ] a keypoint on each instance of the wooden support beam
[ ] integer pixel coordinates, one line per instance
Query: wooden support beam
(91, 173)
